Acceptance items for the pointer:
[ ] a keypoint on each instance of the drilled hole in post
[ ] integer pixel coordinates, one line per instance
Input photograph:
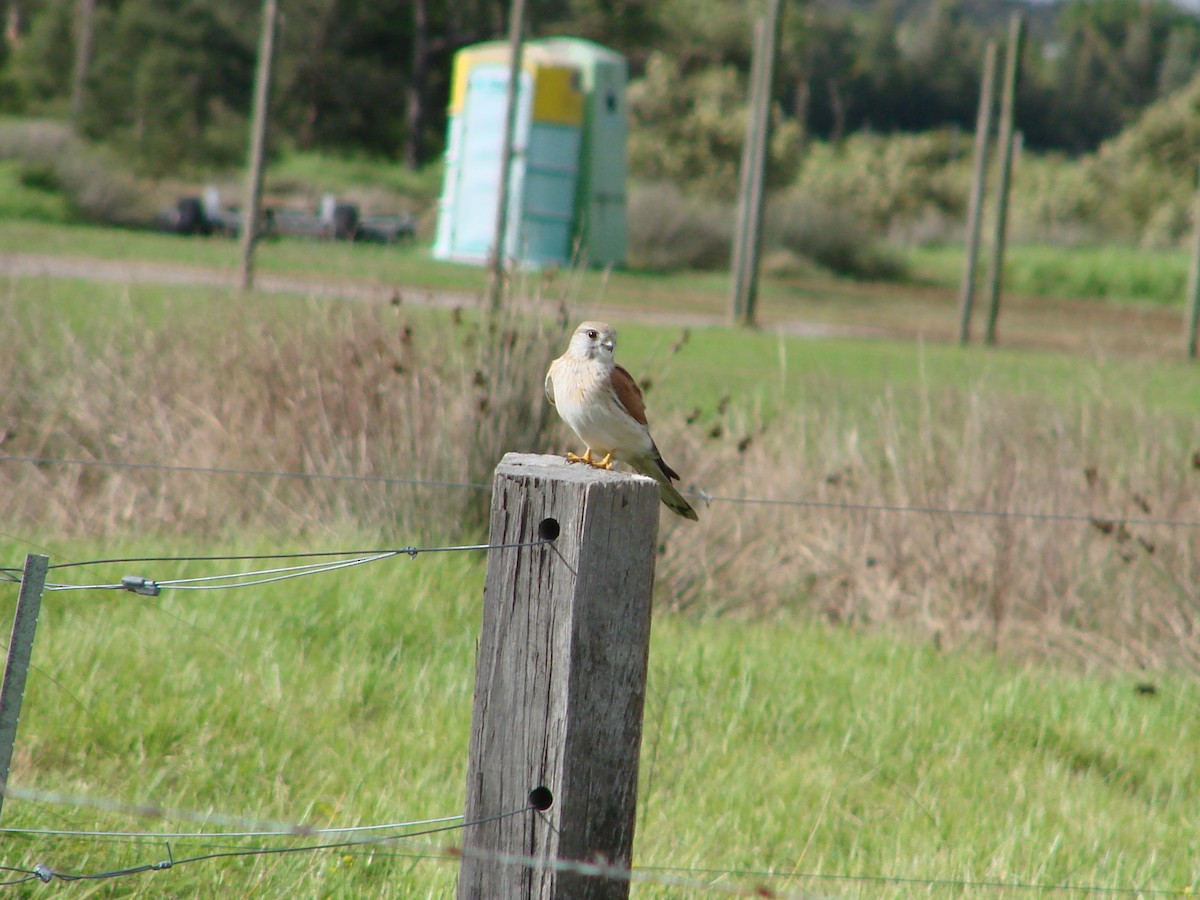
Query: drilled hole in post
(540, 798)
(548, 529)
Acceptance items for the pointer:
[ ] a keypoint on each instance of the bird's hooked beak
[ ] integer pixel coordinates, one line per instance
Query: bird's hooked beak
(608, 344)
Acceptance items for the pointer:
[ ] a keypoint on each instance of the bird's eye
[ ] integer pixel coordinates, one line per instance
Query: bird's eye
(592, 335)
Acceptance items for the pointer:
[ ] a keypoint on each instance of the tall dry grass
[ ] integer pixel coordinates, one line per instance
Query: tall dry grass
(350, 390)
(373, 391)
(875, 543)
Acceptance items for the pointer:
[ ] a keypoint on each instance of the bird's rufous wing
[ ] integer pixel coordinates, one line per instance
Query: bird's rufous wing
(629, 394)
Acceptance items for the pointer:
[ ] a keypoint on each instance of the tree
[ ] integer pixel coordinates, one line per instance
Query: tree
(42, 62)
(1180, 62)
(170, 82)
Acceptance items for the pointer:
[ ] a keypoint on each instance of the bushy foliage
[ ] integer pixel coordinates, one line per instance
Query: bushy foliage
(1145, 177)
(667, 230)
(95, 188)
(689, 129)
(889, 181)
(832, 235)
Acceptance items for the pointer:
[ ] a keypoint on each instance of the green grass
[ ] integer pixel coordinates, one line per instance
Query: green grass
(778, 746)
(846, 760)
(28, 203)
(761, 371)
(339, 174)
(1113, 273)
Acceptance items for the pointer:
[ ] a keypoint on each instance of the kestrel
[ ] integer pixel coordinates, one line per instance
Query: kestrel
(603, 405)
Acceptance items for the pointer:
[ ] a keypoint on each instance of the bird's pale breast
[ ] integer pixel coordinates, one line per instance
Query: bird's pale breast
(586, 401)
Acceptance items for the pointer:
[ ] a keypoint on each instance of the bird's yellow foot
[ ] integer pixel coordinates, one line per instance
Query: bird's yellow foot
(606, 463)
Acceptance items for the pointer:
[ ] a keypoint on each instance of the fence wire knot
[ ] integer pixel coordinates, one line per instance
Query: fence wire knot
(166, 863)
(44, 873)
(139, 585)
(411, 551)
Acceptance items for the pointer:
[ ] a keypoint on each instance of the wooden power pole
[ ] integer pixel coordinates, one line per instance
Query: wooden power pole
(512, 95)
(560, 682)
(1008, 104)
(983, 128)
(258, 143)
(1193, 285)
(747, 239)
(85, 32)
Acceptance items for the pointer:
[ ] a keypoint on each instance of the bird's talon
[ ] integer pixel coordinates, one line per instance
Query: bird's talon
(586, 458)
(606, 463)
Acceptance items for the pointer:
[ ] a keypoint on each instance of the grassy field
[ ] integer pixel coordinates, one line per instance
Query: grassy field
(859, 700)
(1113, 273)
(845, 763)
(1053, 296)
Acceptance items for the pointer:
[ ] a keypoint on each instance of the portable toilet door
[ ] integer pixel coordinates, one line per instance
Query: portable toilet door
(602, 229)
(545, 160)
(471, 189)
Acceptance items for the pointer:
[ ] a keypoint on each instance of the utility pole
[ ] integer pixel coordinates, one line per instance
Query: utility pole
(516, 43)
(258, 143)
(1193, 285)
(1008, 103)
(85, 30)
(747, 239)
(983, 128)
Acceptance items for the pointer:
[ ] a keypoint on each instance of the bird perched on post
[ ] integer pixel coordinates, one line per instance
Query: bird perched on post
(603, 405)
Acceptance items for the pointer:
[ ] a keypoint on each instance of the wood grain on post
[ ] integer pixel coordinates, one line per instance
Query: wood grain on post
(560, 679)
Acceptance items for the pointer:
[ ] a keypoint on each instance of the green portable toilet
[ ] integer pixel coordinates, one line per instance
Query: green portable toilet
(601, 228)
(567, 180)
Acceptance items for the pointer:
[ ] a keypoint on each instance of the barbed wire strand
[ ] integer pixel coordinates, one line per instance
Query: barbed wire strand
(211, 818)
(254, 473)
(665, 875)
(676, 876)
(1085, 518)
(309, 554)
(275, 574)
(679, 876)
(46, 874)
(291, 831)
(693, 491)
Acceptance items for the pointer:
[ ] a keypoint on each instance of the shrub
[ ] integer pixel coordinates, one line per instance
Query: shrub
(54, 159)
(688, 129)
(832, 235)
(888, 181)
(670, 231)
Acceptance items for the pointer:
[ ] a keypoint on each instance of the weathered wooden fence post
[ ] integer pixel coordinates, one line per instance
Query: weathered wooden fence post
(1192, 304)
(983, 128)
(20, 650)
(560, 680)
(1008, 103)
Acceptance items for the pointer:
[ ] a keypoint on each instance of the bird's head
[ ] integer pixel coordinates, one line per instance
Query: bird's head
(594, 340)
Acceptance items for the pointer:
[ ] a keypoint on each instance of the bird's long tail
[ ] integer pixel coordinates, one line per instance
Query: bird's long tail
(662, 473)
